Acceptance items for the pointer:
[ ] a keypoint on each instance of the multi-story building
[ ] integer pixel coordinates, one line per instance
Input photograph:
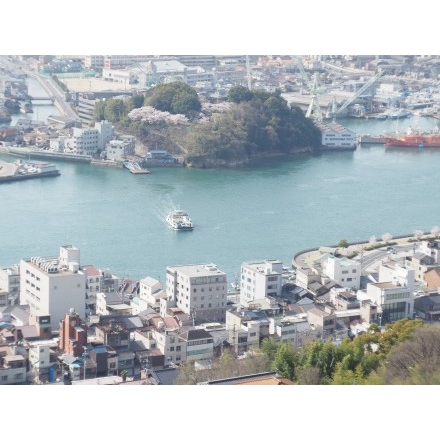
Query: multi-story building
(73, 334)
(40, 361)
(343, 299)
(83, 141)
(93, 285)
(53, 285)
(117, 336)
(3, 298)
(106, 133)
(122, 61)
(294, 329)
(431, 248)
(150, 291)
(421, 263)
(199, 344)
(12, 368)
(95, 62)
(393, 293)
(120, 149)
(322, 319)
(344, 271)
(259, 280)
(85, 107)
(10, 283)
(112, 303)
(246, 327)
(200, 290)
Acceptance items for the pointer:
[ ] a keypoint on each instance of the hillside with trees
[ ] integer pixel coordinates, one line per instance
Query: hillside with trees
(248, 125)
(404, 353)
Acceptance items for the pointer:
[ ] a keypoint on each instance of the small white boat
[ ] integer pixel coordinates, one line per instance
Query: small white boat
(179, 220)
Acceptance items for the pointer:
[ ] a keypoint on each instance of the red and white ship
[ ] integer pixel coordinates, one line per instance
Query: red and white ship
(413, 139)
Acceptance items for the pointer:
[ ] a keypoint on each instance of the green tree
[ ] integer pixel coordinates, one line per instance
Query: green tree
(343, 243)
(269, 349)
(175, 97)
(137, 101)
(284, 361)
(239, 94)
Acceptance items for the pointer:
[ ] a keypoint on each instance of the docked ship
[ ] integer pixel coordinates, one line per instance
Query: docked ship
(413, 139)
(179, 220)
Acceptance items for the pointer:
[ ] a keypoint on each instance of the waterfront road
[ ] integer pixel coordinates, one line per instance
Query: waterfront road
(396, 249)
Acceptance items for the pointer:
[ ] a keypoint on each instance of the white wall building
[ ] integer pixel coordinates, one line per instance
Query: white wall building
(94, 279)
(259, 280)
(39, 357)
(335, 135)
(430, 248)
(53, 285)
(150, 291)
(199, 290)
(83, 141)
(119, 149)
(106, 133)
(344, 271)
(393, 293)
(10, 283)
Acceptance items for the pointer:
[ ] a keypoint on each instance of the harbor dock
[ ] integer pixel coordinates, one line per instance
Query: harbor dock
(21, 170)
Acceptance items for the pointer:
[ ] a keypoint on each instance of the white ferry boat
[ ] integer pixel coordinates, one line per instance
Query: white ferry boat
(179, 219)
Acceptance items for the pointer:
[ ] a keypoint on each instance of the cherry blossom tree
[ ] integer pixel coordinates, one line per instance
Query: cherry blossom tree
(373, 239)
(418, 234)
(387, 237)
(150, 115)
(435, 231)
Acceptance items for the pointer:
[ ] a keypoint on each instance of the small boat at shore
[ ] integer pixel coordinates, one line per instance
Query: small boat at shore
(179, 220)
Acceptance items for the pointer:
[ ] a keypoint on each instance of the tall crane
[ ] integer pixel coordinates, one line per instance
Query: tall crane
(315, 89)
(335, 111)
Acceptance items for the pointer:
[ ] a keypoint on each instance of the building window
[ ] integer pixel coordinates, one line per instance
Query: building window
(178, 348)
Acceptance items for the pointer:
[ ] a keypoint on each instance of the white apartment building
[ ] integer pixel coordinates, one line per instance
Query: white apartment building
(119, 149)
(343, 271)
(259, 280)
(106, 133)
(10, 283)
(150, 291)
(393, 293)
(53, 285)
(94, 61)
(122, 61)
(112, 303)
(125, 77)
(430, 248)
(39, 358)
(83, 141)
(93, 285)
(199, 290)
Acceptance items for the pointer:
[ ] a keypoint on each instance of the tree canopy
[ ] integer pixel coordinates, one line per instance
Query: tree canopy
(175, 98)
(249, 125)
